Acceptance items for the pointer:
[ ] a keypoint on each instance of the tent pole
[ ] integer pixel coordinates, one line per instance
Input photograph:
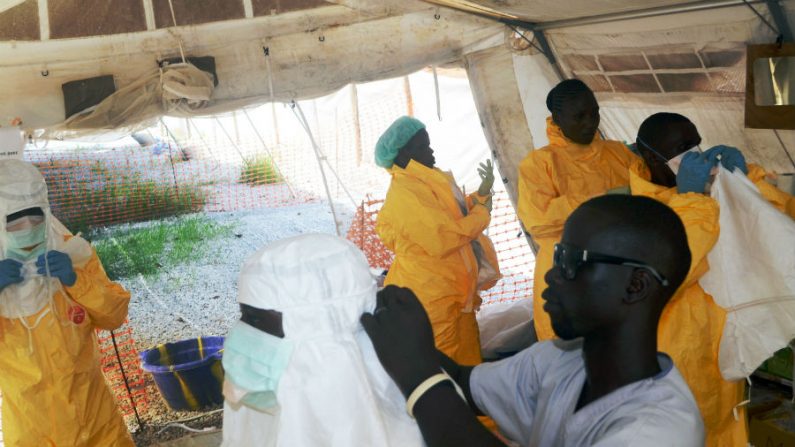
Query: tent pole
(780, 17)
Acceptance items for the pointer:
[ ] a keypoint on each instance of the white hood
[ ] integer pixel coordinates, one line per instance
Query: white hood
(333, 392)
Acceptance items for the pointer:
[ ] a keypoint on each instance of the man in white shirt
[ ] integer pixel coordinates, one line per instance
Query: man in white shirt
(620, 260)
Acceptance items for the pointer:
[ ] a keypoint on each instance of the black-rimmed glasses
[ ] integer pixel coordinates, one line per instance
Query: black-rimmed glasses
(569, 259)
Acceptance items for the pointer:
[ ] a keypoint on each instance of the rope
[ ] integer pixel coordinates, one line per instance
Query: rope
(171, 157)
(763, 19)
(267, 149)
(436, 90)
(305, 125)
(302, 119)
(179, 39)
(126, 381)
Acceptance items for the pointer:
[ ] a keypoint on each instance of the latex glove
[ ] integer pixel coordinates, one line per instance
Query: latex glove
(486, 173)
(694, 172)
(10, 273)
(730, 157)
(60, 265)
(402, 337)
(488, 203)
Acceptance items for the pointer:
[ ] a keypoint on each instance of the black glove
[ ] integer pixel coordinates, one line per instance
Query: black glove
(403, 338)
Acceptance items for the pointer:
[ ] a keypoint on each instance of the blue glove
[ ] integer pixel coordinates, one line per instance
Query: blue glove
(694, 173)
(730, 157)
(10, 273)
(60, 267)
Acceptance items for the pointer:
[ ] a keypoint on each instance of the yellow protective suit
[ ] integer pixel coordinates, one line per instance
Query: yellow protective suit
(422, 223)
(553, 182)
(56, 395)
(691, 325)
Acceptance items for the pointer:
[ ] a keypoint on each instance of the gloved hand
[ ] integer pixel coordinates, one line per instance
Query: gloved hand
(402, 337)
(60, 265)
(488, 203)
(486, 173)
(694, 173)
(10, 273)
(730, 157)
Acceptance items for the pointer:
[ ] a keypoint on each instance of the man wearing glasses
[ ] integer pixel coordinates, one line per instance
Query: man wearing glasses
(675, 171)
(620, 260)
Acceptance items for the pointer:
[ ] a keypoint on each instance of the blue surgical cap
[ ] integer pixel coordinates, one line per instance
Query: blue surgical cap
(397, 136)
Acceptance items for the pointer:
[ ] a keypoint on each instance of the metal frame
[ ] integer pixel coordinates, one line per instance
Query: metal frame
(781, 20)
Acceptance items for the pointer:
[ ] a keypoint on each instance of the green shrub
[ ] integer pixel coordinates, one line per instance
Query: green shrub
(260, 170)
(127, 252)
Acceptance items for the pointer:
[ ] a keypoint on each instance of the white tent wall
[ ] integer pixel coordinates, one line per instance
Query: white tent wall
(719, 115)
(494, 86)
(311, 54)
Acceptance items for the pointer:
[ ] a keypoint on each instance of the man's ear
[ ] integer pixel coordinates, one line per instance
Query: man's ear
(639, 287)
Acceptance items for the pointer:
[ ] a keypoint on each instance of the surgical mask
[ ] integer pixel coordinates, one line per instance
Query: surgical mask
(673, 163)
(17, 241)
(254, 362)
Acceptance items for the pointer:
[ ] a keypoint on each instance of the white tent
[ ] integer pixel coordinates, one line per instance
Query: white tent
(639, 56)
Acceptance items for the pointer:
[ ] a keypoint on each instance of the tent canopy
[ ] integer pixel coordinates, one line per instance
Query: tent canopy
(639, 56)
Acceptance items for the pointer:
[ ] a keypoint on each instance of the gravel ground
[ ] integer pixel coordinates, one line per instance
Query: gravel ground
(199, 298)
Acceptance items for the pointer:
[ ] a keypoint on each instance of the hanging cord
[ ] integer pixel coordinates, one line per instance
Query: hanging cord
(784, 148)
(436, 90)
(231, 140)
(267, 149)
(305, 125)
(269, 71)
(179, 39)
(171, 157)
(126, 381)
(780, 36)
(299, 114)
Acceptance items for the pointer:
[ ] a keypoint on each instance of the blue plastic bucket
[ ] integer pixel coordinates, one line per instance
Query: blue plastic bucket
(187, 373)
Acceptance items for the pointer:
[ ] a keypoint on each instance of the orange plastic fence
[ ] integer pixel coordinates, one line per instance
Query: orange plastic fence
(516, 258)
(122, 369)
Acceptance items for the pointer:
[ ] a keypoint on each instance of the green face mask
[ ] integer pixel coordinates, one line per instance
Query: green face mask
(17, 241)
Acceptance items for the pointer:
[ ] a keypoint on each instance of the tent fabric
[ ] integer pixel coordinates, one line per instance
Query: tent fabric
(718, 112)
(496, 93)
(309, 56)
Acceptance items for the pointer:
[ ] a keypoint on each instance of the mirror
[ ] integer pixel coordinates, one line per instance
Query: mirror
(774, 79)
(770, 86)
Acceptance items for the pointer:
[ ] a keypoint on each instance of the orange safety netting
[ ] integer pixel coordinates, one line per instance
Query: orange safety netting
(516, 258)
(122, 368)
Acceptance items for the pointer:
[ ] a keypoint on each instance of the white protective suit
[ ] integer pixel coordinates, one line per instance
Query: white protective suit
(333, 391)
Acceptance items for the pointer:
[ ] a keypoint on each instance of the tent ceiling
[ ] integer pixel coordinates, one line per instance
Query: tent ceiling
(552, 10)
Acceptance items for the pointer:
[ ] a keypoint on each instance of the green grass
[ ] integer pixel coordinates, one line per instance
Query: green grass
(112, 195)
(260, 171)
(127, 252)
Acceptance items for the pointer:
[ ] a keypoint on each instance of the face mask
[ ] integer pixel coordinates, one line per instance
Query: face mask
(18, 240)
(254, 361)
(674, 163)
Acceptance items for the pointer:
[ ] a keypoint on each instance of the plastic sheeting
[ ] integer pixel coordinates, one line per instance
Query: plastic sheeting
(752, 275)
(176, 90)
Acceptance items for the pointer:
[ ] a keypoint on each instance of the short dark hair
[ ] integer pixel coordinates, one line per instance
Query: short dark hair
(649, 223)
(653, 127)
(564, 91)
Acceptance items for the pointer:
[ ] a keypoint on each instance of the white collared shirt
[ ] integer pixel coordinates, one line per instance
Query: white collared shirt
(533, 397)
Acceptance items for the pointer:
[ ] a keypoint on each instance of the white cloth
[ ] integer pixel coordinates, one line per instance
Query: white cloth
(751, 275)
(334, 391)
(532, 397)
(21, 187)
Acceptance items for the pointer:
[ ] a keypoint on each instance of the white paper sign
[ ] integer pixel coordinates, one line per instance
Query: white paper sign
(12, 143)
